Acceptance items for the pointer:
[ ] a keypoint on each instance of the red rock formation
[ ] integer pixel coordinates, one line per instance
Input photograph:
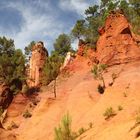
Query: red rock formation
(116, 44)
(85, 50)
(7, 135)
(37, 61)
(101, 30)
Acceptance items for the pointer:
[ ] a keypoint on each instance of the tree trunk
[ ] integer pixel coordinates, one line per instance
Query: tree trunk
(1, 126)
(55, 88)
(103, 81)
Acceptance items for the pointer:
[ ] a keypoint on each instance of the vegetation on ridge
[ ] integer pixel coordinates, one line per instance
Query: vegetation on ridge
(12, 65)
(95, 16)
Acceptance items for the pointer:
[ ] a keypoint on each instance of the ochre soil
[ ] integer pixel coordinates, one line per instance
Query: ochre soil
(77, 94)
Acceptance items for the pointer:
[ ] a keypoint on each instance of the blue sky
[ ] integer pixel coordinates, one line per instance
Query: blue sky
(28, 20)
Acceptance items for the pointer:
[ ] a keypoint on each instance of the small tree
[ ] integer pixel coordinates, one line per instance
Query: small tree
(12, 65)
(28, 50)
(52, 69)
(62, 44)
(64, 132)
(79, 29)
(98, 72)
(109, 112)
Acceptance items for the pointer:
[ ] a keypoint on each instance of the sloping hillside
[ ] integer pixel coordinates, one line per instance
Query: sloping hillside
(77, 94)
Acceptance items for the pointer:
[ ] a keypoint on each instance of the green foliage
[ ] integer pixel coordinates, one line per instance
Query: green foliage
(12, 65)
(13, 125)
(52, 67)
(6, 46)
(138, 119)
(53, 63)
(120, 108)
(109, 113)
(27, 114)
(62, 44)
(102, 67)
(81, 131)
(137, 134)
(28, 50)
(90, 125)
(114, 76)
(124, 94)
(25, 89)
(63, 132)
(101, 89)
(79, 29)
(97, 71)
(95, 17)
(94, 70)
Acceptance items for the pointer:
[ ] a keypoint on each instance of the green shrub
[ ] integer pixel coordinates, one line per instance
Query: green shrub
(102, 67)
(90, 125)
(137, 134)
(114, 76)
(138, 119)
(109, 113)
(120, 108)
(64, 132)
(25, 89)
(13, 125)
(124, 94)
(98, 71)
(81, 131)
(100, 89)
(94, 70)
(27, 114)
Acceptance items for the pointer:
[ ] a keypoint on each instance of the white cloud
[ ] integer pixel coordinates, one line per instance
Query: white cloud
(77, 5)
(36, 26)
(75, 44)
(41, 21)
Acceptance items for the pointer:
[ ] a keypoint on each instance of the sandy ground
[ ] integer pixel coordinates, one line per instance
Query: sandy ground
(77, 94)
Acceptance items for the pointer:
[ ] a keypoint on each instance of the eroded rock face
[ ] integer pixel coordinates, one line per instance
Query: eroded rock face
(6, 135)
(37, 61)
(116, 43)
(88, 52)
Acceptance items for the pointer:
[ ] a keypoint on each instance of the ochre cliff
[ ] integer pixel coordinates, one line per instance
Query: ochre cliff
(37, 61)
(117, 43)
(77, 90)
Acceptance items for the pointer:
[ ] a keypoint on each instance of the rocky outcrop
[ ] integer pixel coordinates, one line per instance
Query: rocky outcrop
(6, 135)
(116, 43)
(81, 47)
(6, 96)
(37, 61)
(88, 52)
(68, 59)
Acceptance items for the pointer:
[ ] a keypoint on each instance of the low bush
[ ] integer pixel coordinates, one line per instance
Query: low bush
(137, 134)
(27, 114)
(13, 125)
(109, 113)
(64, 132)
(138, 119)
(90, 125)
(81, 131)
(100, 89)
(120, 108)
